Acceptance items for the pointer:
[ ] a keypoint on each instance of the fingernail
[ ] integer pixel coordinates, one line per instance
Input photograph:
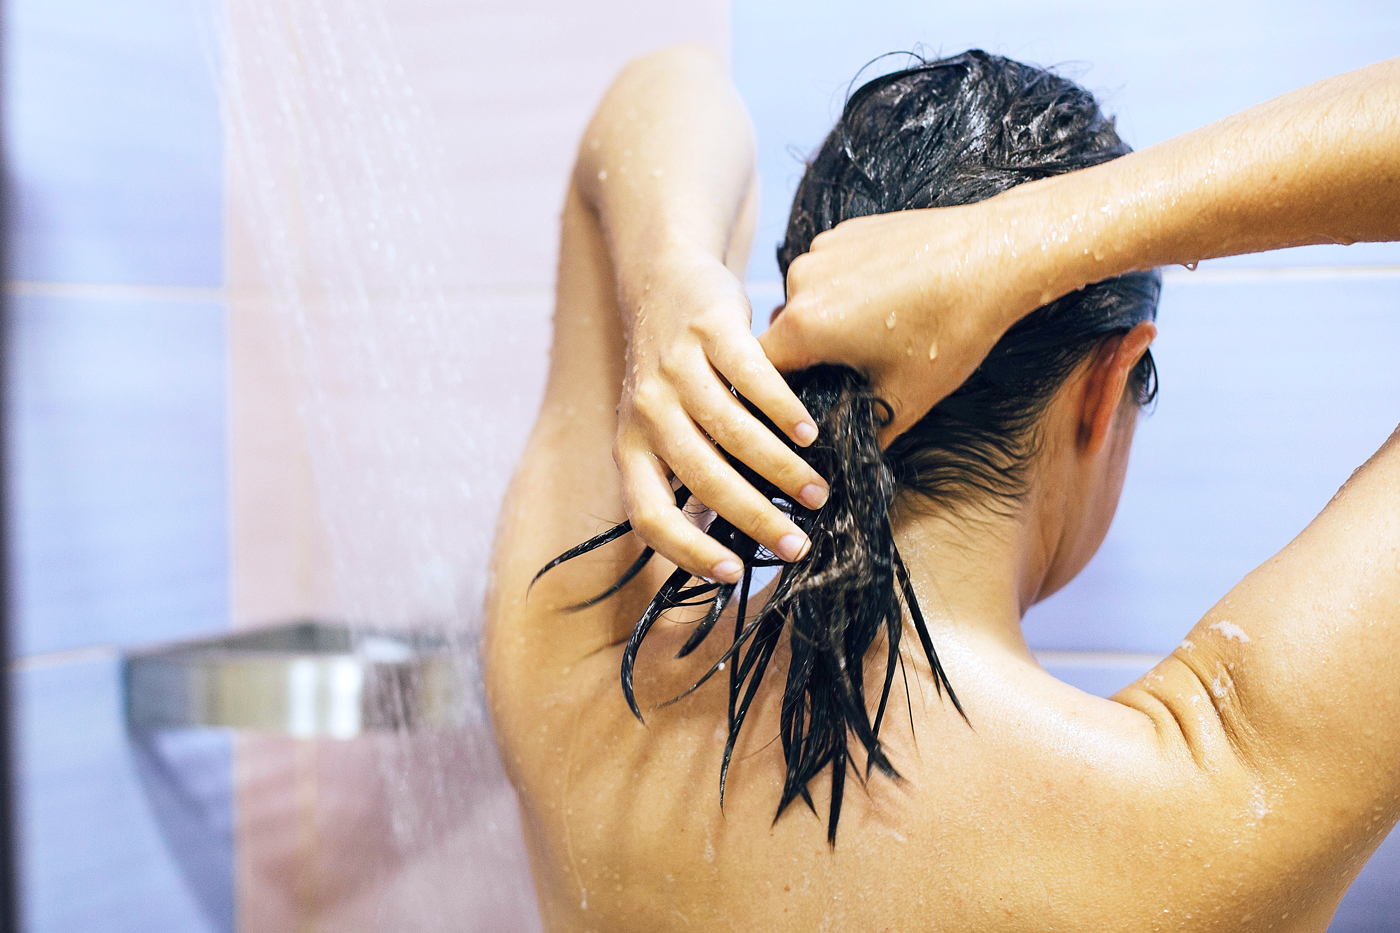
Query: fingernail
(728, 571)
(792, 546)
(806, 432)
(813, 496)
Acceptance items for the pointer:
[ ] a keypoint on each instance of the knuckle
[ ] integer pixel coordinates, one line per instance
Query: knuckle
(789, 473)
(798, 272)
(671, 365)
(759, 522)
(648, 399)
(707, 326)
(797, 322)
(647, 521)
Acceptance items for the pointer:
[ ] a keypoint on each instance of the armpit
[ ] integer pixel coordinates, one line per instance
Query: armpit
(1191, 701)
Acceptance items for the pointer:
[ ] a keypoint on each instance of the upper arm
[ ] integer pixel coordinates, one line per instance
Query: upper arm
(566, 487)
(1300, 664)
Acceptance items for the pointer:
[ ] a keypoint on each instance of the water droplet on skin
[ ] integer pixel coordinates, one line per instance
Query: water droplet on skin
(933, 351)
(889, 321)
(1191, 266)
(603, 175)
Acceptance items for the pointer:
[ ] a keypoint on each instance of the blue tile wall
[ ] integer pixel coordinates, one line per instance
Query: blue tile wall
(1271, 394)
(1162, 70)
(117, 431)
(114, 143)
(118, 833)
(119, 471)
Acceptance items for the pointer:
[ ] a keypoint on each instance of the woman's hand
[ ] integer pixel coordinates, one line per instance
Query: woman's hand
(913, 299)
(689, 341)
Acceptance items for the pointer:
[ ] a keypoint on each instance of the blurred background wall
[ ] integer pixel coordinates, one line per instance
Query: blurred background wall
(119, 457)
(165, 487)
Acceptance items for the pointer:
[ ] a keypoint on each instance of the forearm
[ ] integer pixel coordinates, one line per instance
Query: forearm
(666, 160)
(1319, 165)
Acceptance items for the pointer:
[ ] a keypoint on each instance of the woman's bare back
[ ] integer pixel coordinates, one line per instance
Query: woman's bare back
(1240, 785)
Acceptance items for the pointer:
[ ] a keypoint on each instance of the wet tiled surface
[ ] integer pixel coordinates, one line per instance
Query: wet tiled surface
(119, 471)
(118, 833)
(117, 423)
(114, 144)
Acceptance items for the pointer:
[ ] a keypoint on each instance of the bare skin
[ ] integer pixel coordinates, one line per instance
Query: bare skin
(1240, 785)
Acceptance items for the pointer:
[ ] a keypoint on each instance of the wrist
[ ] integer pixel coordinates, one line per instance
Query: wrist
(1072, 230)
(656, 272)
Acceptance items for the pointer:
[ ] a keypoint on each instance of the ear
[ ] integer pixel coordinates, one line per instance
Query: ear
(1107, 378)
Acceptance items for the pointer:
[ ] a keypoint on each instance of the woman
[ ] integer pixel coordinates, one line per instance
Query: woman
(1232, 787)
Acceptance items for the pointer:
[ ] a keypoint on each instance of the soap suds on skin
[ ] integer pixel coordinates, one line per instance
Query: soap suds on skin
(1230, 630)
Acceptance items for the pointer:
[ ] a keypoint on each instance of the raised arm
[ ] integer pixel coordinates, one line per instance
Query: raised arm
(667, 167)
(1319, 165)
(651, 327)
(1297, 670)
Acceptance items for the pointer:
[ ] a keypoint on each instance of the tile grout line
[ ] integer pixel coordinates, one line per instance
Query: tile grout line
(115, 292)
(39, 662)
(1182, 275)
(760, 290)
(1125, 659)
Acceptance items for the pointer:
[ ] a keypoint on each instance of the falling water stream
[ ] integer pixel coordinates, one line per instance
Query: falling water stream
(414, 388)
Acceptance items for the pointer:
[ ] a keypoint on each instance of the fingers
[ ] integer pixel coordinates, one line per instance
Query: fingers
(738, 432)
(651, 507)
(788, 344)
(748, 369)
(695, 461)
(704, 471)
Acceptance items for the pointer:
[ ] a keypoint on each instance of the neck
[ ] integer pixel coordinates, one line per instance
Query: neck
(976, 572)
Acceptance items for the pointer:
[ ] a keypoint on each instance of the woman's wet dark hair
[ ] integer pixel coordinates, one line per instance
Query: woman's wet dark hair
(937, 134)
